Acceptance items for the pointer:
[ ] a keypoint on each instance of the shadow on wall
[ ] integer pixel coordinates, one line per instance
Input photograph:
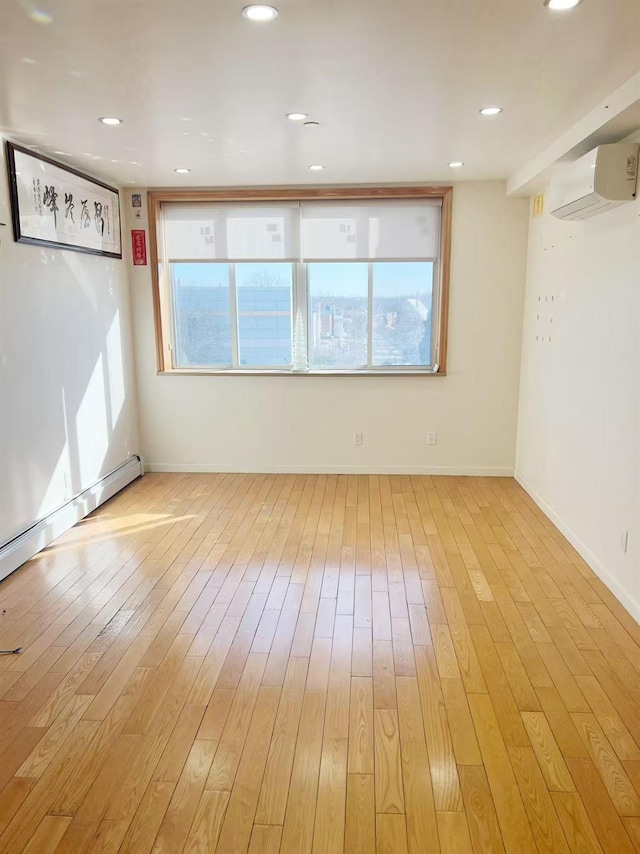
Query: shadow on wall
(65, 391)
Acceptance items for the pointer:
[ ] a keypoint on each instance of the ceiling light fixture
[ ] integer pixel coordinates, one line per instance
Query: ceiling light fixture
(110, 120)
(259, 12)
(490, 111)
(296, 117)
(182, 171)
(456, 164)
(561, 5)
(317, 168)
(311, 124)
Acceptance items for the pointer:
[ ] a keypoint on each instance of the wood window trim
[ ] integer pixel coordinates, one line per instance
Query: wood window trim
(156, 197)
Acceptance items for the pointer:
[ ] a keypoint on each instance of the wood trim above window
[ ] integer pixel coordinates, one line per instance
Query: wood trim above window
(161, 309)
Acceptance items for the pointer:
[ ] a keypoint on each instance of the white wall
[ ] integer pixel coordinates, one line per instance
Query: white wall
(578, 449)
(67, 408)
(306, 423)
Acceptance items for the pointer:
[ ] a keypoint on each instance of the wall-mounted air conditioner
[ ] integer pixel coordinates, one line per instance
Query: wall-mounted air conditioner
(603, 179)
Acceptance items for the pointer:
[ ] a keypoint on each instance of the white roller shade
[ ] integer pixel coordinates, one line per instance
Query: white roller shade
(307, 231)
(231, 232)
(391, 230)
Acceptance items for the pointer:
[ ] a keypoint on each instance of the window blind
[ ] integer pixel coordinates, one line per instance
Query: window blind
(202, 231)
(386, 230)
(305, 231)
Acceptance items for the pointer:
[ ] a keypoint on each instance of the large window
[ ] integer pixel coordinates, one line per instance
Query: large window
(353, 285)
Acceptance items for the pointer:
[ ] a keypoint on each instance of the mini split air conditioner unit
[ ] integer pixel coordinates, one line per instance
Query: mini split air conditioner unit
(603, 179)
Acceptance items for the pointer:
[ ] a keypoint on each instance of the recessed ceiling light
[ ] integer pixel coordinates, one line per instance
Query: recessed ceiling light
(317, 168)
(297, 117)
(182, 171)
(456, 164)
(110, 120)
(562, 5)
(311, 124)
(490, 111)
(259, 12)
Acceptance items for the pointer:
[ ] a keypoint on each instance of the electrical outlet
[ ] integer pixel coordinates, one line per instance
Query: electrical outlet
(358, 438)
(624, 541)
(432, 437)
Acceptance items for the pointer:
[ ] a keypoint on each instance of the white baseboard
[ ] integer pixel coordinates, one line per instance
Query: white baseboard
(25, 545)
(459, 471)
(583, 550)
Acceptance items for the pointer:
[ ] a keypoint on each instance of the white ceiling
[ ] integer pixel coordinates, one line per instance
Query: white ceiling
(395, 85)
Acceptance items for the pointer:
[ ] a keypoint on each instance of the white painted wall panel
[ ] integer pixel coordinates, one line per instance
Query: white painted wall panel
(67, 395)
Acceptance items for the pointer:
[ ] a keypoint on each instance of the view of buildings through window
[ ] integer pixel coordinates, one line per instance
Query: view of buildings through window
(359, 314)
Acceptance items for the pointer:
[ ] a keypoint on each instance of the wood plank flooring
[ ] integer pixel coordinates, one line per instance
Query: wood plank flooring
(312, 664)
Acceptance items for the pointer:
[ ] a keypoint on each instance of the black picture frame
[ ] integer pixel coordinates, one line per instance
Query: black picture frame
(104, 199)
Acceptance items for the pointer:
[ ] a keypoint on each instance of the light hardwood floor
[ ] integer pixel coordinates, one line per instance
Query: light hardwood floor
(293, 663)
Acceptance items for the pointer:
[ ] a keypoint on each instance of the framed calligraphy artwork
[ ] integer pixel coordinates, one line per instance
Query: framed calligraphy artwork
(54, 205)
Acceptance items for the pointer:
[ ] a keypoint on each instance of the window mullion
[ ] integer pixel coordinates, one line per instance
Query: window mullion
(370, 315)
(233, 300)
(301, 301)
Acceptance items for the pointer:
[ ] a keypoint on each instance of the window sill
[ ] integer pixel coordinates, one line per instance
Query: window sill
(194, 372)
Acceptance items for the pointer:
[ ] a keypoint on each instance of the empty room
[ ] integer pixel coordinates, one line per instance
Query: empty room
(320, 427)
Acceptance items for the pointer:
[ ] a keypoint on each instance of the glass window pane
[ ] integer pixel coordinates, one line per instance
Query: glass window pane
(402, 311)
(202, 317)
(263, 292)
(338, 309)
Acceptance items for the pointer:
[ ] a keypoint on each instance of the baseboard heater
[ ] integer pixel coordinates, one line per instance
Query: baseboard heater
(16, 551)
